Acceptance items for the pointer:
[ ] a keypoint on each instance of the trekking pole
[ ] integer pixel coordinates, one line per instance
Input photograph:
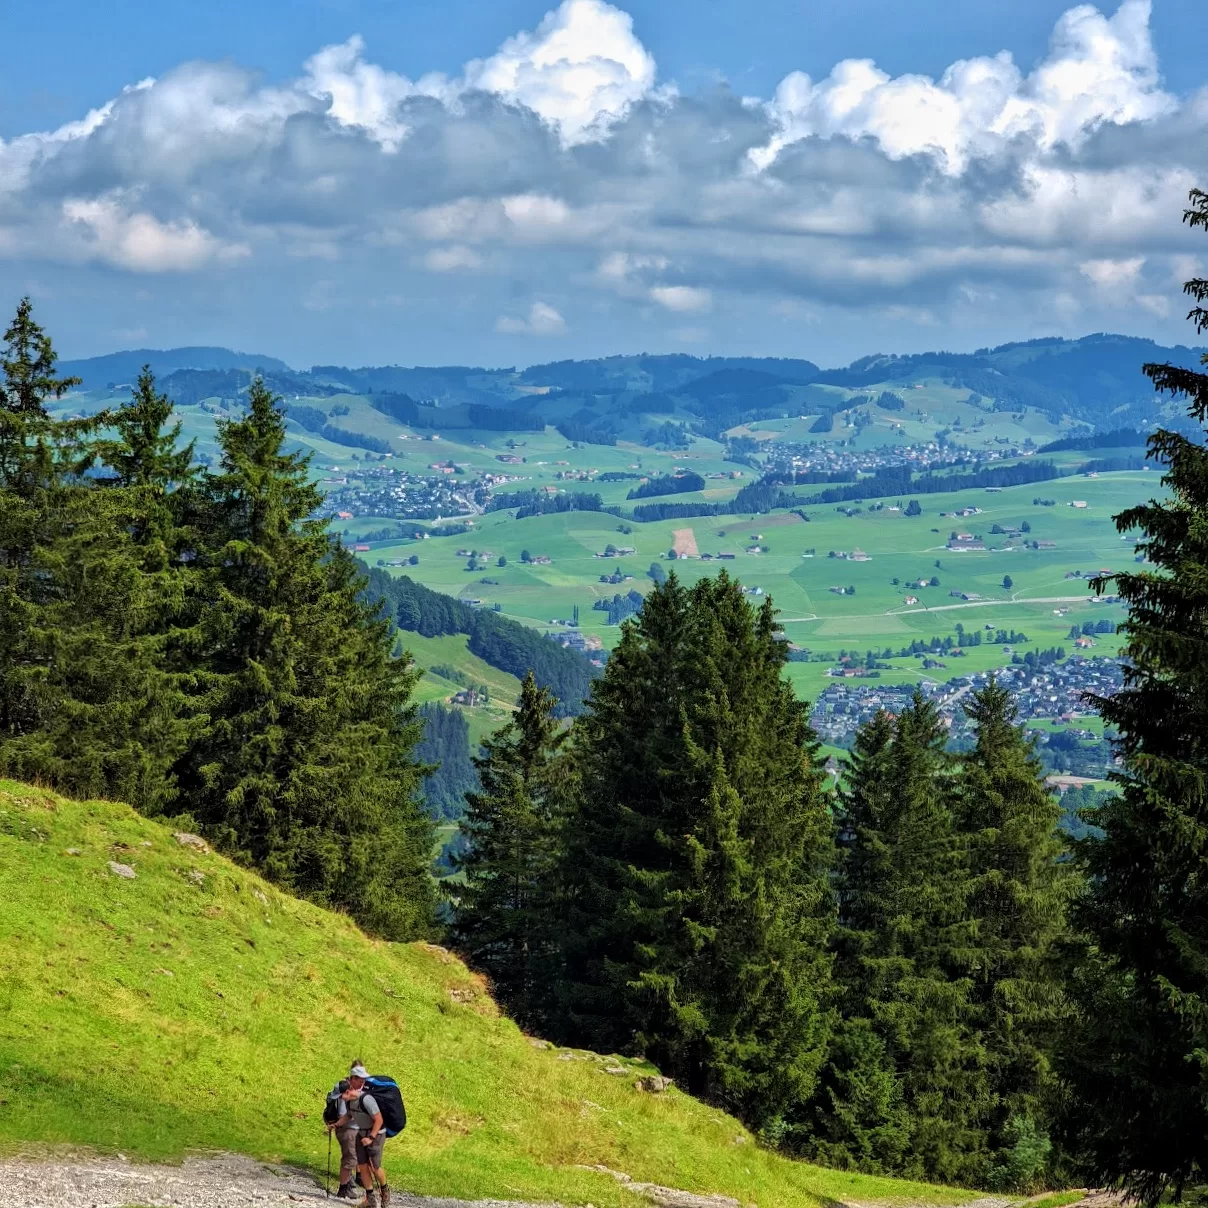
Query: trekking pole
(327, 1181)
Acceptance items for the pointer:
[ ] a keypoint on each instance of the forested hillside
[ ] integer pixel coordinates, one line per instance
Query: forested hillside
(1093, 379)
(500, 641)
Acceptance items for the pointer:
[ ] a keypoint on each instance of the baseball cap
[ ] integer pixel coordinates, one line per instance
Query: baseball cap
(358, 1071)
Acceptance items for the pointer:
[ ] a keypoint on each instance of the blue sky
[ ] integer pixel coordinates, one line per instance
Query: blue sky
(503, 182)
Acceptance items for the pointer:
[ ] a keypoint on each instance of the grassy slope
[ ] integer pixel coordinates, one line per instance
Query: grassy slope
(161, 1015)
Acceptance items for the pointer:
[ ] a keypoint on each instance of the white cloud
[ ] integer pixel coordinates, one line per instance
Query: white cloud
(1113, 274)
(541, 320)
(104, 231)
(581, 70)
(357, 93)
(1098, 70)
(559, 162)
(683, 299)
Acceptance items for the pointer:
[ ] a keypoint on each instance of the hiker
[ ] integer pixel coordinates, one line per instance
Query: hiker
(369, 1131)
(339, 1121)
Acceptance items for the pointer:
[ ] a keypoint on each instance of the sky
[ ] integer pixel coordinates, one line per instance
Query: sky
(501, 182)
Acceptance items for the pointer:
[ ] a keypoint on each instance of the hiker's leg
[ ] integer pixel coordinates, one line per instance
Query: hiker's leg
(348, 1155)
(374, 1158)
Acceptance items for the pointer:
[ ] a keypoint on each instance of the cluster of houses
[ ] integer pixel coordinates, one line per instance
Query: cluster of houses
(830, 457)
(396, 494)
(1053, 692)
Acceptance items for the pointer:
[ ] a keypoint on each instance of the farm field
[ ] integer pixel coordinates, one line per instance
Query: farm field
(554, 563)
(793, 565)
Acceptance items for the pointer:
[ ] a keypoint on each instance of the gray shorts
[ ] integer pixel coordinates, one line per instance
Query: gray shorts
(349, 1157)
(371, 1155)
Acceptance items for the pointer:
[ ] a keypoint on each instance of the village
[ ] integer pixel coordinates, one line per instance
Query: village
(392, 493)
(1054, 692)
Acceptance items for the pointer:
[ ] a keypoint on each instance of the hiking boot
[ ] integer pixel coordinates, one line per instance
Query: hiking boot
(347, 1191)
(370, 1200)
(384, 1192)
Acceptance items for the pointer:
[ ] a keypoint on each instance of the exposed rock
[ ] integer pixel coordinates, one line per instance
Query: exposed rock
(121, 870)
(654, 1084)
(538, 1043)
(615, 1069)
(187, 840)
(72, 851)
(197, 876)
(667, 1197)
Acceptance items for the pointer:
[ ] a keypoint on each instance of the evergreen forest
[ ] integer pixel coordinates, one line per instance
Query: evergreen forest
(910, 968)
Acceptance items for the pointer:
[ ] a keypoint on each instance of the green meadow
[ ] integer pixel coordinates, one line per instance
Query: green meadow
(195, 1007)
(793, 566)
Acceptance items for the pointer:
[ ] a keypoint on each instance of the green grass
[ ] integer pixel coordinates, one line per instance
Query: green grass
(1058, 1199)
(197, 1007)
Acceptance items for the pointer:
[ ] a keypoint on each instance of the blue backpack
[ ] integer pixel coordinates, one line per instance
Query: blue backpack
(390, 1103)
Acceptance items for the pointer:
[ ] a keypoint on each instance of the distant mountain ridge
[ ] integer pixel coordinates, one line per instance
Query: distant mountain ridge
(120, 367)
(1096, 379)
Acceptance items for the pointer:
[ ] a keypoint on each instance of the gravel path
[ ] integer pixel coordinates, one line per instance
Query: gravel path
(233, 1181)
(226, 1181)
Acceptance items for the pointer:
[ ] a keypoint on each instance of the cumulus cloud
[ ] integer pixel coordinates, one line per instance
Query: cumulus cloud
(685, 299)
(1099, 70)
(541, 320)
(103, 229)
(558, 166)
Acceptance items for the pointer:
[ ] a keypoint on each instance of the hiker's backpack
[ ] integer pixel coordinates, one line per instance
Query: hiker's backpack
(331, 1108)
(390, 1103)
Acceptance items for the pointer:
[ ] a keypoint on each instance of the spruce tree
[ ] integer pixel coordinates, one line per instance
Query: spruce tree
(1137, 1057)
(82, 705)
(503, 919)
(698, 855)
(904, 1089)
(1017, 899)
(304, 765)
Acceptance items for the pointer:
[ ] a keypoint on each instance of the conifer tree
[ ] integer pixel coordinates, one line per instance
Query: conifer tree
(698, 856)
(1017, 899)
(81, 702)
(904, 1088)
(503, 920)
(304, 766)
(1137, 1056)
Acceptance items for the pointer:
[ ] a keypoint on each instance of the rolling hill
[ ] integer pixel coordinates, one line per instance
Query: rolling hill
(156, 999)
(1095, 379)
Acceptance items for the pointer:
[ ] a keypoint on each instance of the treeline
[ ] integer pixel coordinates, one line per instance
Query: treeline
(1117, 438)
(406, 410)
(585, 434)
(539, 503)
(755, 497)
(869, 979)
(444, 748)
(503, 419)
(188, 387)
(505, 644)
(354, 440)
(767, 494)
(620, 607)
(667, 484)
(193, 642)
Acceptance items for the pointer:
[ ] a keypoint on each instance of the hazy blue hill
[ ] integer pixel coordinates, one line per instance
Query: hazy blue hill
(1096, 379)
(121, 367)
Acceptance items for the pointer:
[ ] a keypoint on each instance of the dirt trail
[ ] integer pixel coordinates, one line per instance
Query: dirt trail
(224, 1181)
(234, 1181)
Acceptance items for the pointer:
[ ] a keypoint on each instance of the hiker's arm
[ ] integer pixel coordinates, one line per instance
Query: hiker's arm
(372, 1134)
